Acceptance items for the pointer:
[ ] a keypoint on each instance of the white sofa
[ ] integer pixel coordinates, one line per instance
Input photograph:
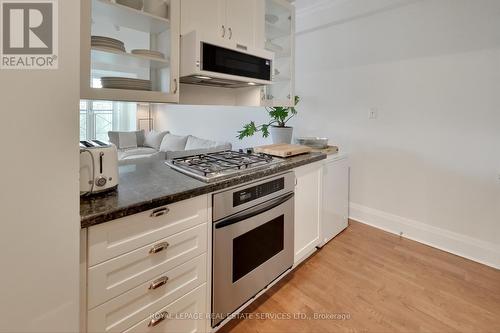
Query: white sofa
(161, 145)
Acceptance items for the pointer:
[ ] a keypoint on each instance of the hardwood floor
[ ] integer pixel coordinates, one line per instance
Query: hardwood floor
(384, 284)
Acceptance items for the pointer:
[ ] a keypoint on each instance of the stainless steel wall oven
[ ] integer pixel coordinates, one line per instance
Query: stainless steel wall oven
(252, 241)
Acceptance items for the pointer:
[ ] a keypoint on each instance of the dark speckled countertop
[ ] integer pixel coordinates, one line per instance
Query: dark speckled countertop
(149, 184)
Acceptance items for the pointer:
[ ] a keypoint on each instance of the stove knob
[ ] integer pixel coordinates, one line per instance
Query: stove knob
(241, 151)
(249, 151)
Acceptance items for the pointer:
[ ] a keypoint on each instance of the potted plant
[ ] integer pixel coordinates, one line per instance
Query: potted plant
(280, 133)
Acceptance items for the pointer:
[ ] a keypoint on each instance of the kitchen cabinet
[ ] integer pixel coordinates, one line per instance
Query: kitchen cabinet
(137, 29)
(308, 191)
(280, 39)
(335, 196)
(139, 267)
(204, 16)
(238, 21)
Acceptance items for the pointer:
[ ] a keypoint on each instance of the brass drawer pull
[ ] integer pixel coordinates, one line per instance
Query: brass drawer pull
(159, 247)
(159, 212)
(158, 318)
(158, 283)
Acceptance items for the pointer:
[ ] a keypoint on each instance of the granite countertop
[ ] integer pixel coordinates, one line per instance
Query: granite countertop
(149, 184)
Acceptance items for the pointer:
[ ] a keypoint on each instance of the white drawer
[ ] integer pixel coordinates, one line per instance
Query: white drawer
(111, 239)
(120, 274)
(133, 306)
(187, 314)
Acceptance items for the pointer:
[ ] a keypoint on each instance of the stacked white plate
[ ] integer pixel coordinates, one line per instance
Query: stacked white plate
(136, 4)
(111, 43)
(148, 53)
(126, 83)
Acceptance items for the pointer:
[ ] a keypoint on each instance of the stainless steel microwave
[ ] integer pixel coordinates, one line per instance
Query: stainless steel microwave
(223, 64)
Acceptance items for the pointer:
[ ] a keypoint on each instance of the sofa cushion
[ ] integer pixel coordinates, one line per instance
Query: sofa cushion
(114, 137)
(140, 152)
(173, 142)
(194, 142)
(153, 139)
(169, 155)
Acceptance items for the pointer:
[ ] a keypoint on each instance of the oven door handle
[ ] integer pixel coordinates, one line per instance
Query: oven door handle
(251, 212)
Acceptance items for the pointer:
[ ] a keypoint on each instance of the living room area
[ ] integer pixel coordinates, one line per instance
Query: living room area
(131, 128)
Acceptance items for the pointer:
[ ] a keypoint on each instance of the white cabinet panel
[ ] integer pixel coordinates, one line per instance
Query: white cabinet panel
(111, 239)
(118, 275)
(187, 314)
(243, 19)
(133, 306)
(335, 210)
(238, 21)
(307, 210)
(205, 16)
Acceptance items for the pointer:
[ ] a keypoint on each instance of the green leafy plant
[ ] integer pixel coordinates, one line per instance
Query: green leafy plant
(280, 115)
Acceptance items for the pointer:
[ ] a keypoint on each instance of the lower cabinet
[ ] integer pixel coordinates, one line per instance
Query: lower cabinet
(307, 210)
(187, 314)
(321, 203)
(148, 272)
(335, 210)
(146, 300)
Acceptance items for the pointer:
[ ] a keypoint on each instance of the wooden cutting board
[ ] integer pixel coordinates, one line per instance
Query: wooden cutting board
(283, 150)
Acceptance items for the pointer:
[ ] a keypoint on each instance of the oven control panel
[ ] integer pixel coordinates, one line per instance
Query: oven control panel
(251, 193)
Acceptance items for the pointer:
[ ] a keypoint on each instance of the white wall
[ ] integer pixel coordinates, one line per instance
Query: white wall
(39, 203)
(430, 164)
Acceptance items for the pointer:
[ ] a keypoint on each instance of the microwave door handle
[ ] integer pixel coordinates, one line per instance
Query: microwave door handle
(249, 213)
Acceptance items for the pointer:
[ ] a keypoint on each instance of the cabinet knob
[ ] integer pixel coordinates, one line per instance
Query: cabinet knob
(159, 247)
(223, 31)
(230, 33)
(159, 212)
(158, 318)
(158, 283)
(176, 86)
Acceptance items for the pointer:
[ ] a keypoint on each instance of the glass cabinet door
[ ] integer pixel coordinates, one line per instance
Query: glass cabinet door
(133, 48)
(280, 39)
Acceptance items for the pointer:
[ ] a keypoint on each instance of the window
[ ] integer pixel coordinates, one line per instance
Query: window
(99, 117)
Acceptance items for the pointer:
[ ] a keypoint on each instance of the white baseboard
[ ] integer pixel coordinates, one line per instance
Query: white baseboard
(464, 246)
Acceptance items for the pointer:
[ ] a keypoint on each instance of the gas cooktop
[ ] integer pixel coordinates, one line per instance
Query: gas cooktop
(216, 166)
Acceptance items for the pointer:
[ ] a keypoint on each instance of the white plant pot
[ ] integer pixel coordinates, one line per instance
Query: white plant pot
(281, 134)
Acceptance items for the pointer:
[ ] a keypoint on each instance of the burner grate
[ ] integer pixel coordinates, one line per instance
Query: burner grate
(213, 163)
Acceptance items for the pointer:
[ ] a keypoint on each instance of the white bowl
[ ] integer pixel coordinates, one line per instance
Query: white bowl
(156, 7)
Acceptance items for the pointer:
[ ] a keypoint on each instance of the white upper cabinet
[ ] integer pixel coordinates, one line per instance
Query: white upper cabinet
(152, 28)
(238, 21)
(244, 19)
(206, 16)
(280, 39)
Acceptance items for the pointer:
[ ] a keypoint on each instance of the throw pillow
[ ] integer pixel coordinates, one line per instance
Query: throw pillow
(197, 143)
(114, 137)
(127, 140)
(153, 139)
(173, 142)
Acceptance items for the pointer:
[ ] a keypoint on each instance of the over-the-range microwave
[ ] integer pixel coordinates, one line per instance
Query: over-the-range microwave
(223, 63)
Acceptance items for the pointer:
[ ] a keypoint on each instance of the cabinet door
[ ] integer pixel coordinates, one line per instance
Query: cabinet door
(335, 210)
(206, 16)
(307, 210)
(136, 30)
(280, 39)
(242, 18)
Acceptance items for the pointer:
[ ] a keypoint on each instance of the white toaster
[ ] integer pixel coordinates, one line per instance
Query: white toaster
(98, 167)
